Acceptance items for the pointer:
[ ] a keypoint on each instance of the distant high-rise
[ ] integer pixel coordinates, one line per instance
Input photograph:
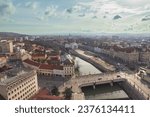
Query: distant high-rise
(6, 47)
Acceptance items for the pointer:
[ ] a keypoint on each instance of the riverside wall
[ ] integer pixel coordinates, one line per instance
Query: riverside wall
(132, 91)
(98, 66)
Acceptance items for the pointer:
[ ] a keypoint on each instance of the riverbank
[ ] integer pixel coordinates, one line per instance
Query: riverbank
(95, 62)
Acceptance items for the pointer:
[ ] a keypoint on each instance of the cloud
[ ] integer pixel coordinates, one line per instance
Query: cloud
(113, 7)
(69, 10)
(6, 8)
(117, 17)
(40, 18)
(133, 3)
(32, 5)
(51, 11)
(146, 18)
(81, 15)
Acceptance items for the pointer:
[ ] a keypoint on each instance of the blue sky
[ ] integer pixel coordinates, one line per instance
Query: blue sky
(75, 16)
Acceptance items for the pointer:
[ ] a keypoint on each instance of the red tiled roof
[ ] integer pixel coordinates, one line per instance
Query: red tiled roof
(127, 50)
(32, 62)
(58, 67)
(44, 95)
(45, 66)
(56, 58)
(51, 67)
(38, 55)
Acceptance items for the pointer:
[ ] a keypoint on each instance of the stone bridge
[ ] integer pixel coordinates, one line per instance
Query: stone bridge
(129, 82)
(97, 79)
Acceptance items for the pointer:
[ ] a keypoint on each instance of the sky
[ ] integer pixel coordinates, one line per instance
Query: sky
(75, 16)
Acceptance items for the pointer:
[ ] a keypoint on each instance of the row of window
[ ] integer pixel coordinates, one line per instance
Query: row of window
(19, 82)
(23, 84)
(21, 90)
(25, 94)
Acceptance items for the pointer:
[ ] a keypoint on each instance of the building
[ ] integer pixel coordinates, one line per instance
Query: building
(72, 45)
(144, 57)
(3, 61)
(31, 64)
(18, 84)
(128, 55)
(65, 69)
(68, 68)
(45, 69)
(6, 47)
(36, 57)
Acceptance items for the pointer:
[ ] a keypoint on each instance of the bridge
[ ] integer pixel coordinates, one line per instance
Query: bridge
(97, 79)
(129, 82)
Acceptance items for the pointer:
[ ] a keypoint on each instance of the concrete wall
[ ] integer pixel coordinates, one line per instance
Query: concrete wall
(132, 91)
(98, 66)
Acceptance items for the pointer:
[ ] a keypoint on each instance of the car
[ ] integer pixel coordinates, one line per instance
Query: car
(99, 78)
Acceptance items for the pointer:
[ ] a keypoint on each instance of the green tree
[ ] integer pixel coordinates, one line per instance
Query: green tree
(55, 91)
(68, 93)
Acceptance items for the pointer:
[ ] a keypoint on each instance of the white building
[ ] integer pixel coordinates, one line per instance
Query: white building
(21, 86)
(3, 61)
(65, 69)
(72, 45)
(68, 67)
(96, 49)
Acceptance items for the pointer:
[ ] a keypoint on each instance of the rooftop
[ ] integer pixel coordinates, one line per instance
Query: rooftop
(50, 67)
(44, 95)
(28, 61)
(15, 75)
(38, 55)
(45, 66)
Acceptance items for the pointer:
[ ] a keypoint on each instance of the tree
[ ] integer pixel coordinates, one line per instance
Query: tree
(55, 91)
(68, 93)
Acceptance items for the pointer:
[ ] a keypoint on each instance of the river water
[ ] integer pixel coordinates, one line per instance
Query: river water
(102, 91)
(85, 68)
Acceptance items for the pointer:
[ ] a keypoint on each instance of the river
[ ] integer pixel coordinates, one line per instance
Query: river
(102, 91)
(85, 68)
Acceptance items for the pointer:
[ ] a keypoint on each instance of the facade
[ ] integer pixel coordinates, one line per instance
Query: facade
(20, 87)
(128, 55)
(31, 64)
(72, 45)
(39, 57)
(6, 47)
(144, 56)
(45, 69)
(69, 70)
(66, 69)
(3, 61)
